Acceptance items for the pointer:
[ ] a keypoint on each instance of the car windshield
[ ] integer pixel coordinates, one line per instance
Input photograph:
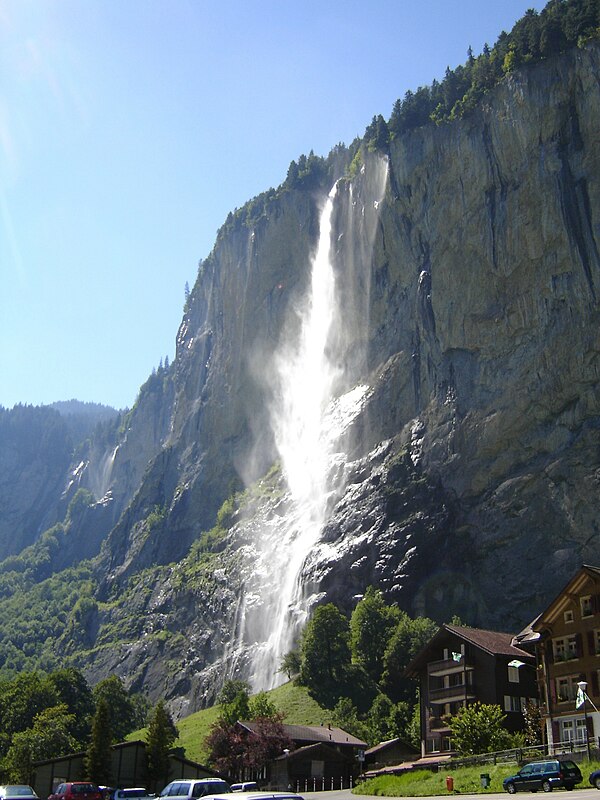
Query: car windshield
(18, 791)
(83, 788)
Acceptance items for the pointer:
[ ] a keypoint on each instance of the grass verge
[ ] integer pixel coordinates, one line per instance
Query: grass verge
(467, 780)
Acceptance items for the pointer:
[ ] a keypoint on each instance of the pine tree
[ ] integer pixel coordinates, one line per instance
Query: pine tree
(98, 760)
(160, 736)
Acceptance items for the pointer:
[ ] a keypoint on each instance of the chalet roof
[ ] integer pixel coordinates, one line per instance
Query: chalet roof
(492, 642)
(577, 583)
(318, 747)
(378, 748)
(311, 734)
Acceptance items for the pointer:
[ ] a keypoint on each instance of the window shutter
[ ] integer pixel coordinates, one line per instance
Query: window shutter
(595, 688)
(591, 643)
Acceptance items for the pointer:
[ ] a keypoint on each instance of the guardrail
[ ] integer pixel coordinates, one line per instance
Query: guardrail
(577, 750)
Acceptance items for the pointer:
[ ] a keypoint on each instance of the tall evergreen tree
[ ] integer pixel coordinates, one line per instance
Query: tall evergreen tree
(98, 759)
(160, 736)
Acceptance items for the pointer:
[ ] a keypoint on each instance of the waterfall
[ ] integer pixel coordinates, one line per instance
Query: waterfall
(309, 412)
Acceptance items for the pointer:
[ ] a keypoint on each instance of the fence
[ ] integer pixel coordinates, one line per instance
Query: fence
(576, 750)
(322, 784)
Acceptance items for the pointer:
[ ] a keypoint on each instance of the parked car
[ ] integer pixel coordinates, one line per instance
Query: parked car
(199, 787)
(595, 778)
(16, 791)
(546, 775)
(136, 793)
(258, 796)
(247, 786)
(76, 790)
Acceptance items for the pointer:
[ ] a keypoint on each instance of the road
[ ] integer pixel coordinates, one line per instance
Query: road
(586, 793)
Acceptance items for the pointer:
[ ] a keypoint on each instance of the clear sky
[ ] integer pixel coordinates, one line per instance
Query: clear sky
(130, 128)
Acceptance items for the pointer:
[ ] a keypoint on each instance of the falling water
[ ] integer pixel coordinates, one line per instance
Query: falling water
(308, 417)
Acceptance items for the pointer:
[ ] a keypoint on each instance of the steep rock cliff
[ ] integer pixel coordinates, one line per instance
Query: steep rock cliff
(470, 296)
(468, 266)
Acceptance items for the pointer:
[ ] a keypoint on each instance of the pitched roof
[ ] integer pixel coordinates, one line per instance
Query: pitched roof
(493, 642)
(564, 597)
(389, 743)
(311, 734)
(317, 747)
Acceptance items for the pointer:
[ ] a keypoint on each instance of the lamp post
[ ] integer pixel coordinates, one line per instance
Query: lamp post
(582, 685)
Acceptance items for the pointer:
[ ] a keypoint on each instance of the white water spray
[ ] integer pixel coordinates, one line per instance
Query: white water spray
(305, 381)
(308, 421)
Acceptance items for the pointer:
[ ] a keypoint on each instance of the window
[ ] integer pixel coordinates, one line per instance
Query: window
(566, 688)
(569, 616)
(580, 730)
(586, 606)
(512, 703)
(566, 732)
(573, 730)
(513, 674)
(565, 648)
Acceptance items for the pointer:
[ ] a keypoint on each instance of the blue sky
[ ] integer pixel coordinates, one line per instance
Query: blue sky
(130, 128)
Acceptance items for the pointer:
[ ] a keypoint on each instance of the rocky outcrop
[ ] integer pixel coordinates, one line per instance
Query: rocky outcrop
(488, 256)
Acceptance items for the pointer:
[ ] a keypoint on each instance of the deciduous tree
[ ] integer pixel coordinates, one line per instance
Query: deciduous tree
(371, 627)
(48, 737)
(478, 728)
(325, 649)
(122, 709)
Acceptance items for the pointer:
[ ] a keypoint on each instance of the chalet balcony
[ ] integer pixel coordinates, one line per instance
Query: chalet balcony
(450, 694)
(437, 724)
(448, 666)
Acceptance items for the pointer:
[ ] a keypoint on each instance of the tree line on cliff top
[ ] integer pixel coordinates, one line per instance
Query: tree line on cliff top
(561, 25)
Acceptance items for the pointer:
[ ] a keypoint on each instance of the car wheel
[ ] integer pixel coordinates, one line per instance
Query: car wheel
(511, 788)
(547, 786)
(597, 782)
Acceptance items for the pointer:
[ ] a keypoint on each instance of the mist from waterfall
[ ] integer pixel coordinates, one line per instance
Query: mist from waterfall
(309, 412)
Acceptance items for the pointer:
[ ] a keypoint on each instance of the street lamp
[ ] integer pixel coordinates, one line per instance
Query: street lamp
(581, 698)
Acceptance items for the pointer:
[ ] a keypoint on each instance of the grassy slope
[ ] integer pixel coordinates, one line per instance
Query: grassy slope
(423, 783)
(293, 701)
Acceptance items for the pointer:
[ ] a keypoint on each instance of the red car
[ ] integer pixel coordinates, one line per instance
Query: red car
(77, 790)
